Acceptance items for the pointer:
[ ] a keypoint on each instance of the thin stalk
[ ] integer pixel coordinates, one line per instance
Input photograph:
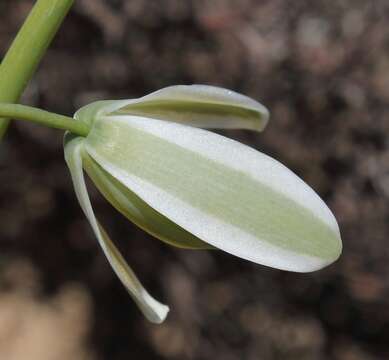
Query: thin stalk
(28, 48)
(28, 113)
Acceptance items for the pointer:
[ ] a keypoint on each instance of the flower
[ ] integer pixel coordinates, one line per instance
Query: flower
(196, 189)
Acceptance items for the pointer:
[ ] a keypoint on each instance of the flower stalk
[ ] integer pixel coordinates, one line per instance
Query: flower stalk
(42, 117)
(28, 48)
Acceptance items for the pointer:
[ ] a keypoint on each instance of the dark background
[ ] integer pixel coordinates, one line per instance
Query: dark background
(321, 67)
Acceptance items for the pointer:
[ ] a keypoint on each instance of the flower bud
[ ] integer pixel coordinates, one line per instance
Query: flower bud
(196, 189)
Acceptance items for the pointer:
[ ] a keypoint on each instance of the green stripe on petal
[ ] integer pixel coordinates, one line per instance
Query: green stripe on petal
(195, 105)
(152, 309)
(223, 192)
(136, 210)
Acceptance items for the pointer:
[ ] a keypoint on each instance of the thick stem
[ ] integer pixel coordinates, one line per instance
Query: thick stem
(28, 48)
(22, 112)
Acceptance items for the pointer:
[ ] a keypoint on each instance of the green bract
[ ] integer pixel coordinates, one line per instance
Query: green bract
(195, 189)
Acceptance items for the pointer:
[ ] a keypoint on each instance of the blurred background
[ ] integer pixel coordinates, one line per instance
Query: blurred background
(321, 67)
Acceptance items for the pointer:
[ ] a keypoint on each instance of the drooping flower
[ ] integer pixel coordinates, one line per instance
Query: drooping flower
(196, 189)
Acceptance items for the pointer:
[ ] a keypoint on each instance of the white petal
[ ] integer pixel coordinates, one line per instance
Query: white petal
(152, 309)
(137, 211)
(223, 192)
(196, 105)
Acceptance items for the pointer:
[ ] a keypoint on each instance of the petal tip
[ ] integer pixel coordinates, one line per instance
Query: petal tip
(155, 311)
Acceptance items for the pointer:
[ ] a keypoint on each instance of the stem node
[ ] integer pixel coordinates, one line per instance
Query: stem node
(28, 48)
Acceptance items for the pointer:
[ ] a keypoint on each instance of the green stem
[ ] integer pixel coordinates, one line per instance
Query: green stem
(22, 112)
(28, 48)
